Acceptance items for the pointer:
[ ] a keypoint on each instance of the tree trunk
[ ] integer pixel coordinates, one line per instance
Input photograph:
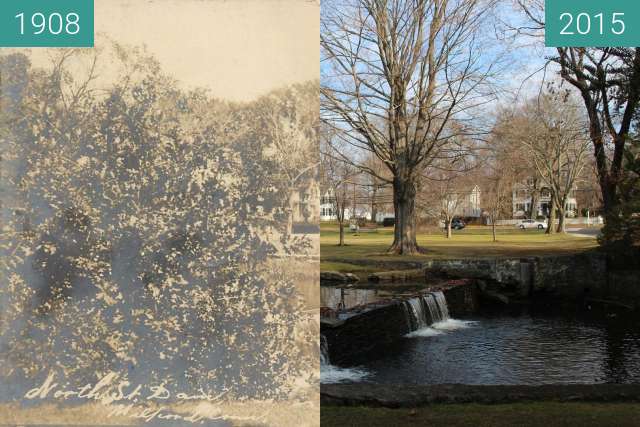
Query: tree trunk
(449, 234)
(493, 228)
(290, 216)
(533, 209)
(562, 211)
(551, 224)
(374, 207)
(561, 222)
(341, 243)
(404, 204)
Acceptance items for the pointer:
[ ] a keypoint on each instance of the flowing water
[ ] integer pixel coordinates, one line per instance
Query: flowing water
(419, 318)
(530, 347)
(333, 374)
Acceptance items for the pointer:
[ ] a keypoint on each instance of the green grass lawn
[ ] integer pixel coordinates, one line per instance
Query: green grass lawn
(473, 241)
(535, 414)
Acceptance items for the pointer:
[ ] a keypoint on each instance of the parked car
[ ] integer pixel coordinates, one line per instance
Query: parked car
(531, 223)
(388, 222)
(456, 224)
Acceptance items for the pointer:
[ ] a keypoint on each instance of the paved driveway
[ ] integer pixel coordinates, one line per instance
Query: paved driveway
(592, 232)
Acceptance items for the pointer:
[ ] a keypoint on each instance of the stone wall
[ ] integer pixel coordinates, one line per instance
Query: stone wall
(625, 284)
(364, 331)
(462, 300)
(571, 276)
(382, 325)
(567, 276)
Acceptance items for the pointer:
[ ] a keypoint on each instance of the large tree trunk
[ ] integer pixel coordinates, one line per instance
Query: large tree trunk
(404, 204)
(551, 224)
(561, 222)
(449, 234)
(562, 213)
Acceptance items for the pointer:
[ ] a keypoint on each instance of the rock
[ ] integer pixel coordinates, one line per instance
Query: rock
(495, 297)
(351, 278)
(335, 277)
(397, 276)
(412, 396)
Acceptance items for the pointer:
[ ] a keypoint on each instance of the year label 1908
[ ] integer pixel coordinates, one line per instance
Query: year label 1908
(54, 24)
(47, 23)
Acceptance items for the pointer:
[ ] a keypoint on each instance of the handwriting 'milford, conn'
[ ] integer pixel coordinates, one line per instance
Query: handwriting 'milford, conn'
(109, 390)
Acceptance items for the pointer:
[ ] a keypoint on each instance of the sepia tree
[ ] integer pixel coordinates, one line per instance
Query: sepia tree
(288, 134)
(145, 253)
(396, 75)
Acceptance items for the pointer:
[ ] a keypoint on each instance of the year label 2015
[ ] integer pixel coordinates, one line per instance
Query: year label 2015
(592, 23)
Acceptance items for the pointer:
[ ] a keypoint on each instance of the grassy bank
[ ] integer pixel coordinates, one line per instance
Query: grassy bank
(532, 414)
(473, 241)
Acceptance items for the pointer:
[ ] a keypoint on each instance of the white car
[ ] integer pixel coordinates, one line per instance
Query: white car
(530, 223)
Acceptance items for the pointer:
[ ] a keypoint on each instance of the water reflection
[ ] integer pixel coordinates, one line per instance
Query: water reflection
(533, 348)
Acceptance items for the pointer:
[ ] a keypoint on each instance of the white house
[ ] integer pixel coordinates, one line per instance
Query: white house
(470, 204)
(327, 207)
(522, 202)
(362, 211)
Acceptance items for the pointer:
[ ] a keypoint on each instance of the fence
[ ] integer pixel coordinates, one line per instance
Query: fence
(569, 221)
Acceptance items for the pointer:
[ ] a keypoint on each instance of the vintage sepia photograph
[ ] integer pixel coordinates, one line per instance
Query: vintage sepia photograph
(159, 239)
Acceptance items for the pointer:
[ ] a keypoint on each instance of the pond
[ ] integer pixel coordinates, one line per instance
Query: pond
(531, 347)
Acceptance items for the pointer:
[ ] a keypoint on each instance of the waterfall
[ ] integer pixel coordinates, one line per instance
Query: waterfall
(418, 313)
(324, 351)
(407, 315)
(332, 374)
(426, 310)
(434, 310)
(442, 305)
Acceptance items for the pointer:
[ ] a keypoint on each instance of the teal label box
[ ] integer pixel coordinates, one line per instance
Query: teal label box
(592, 23)
(46, 23)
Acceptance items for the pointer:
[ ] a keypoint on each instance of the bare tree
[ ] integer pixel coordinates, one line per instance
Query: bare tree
(501, 173)
(554, 136)
(445, 194)
(608, 81)
(375, 189)
(521, 167)
(497, 197)
(336, 180)
(397, 73)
